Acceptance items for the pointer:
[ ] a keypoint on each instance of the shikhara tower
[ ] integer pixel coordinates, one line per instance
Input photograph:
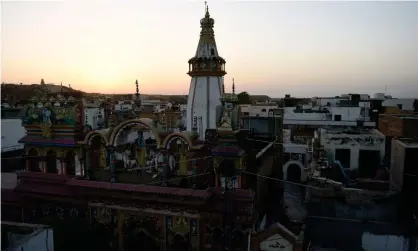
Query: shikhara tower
(206, 69)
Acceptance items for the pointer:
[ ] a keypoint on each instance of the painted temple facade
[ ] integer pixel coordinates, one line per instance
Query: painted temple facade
(135, 183)
(167, 191)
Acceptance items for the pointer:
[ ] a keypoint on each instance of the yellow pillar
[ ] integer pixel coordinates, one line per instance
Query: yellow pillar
(182, 160)
(142, 157)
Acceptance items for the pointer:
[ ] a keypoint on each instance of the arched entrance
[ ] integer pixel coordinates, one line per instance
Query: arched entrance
(140, 235)
(51, 162)
(70, 161)
(294, 173)
(33, 159)
(95, 147)
(147, 123)
(180, 243)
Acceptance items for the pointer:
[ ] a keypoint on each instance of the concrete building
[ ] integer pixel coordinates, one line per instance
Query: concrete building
(397, 125)
(356, 149)
(313, 116)
(404, 176)
(206, 86)
(403, 164)
(26, 237)
(11, 150)
(405, 104)
(94, 115)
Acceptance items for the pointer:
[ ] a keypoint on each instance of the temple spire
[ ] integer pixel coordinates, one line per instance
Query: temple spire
(233, 86)
(137, 101)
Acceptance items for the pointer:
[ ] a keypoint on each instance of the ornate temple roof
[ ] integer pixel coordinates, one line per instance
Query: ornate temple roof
(207, 45)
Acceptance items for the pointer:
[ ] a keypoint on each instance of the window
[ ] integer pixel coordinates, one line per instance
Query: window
(400, 106)
(212, 52)
(263, 110)
(337, 117)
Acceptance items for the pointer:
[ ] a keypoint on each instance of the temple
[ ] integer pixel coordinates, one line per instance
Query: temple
(138, 181)
(207, 69)
(53, 124)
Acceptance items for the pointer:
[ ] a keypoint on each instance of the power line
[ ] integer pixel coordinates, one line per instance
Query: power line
(276, 179)
(180, 178)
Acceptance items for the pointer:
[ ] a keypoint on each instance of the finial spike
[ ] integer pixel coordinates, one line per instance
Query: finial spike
(137, 87)
(233, 86)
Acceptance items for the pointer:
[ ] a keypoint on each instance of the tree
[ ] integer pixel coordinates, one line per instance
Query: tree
(244, 98)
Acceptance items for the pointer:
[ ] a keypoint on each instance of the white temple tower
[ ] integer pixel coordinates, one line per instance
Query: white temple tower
(206, 69)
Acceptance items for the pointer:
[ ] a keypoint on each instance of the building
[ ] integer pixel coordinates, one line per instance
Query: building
(94, 114)
(53, 123)
(141, 185)
(11, 150)
(340, 234)
(404, 174)
(403, 163)
(358, 149)
(397, 126)
(207, 69)
(22, 236)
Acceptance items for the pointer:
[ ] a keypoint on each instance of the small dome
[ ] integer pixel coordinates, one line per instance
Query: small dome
(207, 21)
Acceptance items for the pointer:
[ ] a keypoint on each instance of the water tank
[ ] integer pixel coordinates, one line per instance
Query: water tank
(380, 96)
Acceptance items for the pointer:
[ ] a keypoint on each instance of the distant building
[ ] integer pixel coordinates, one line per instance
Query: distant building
(356, 149)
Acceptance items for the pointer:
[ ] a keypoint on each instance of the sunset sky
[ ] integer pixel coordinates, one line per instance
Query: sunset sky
(273, 48)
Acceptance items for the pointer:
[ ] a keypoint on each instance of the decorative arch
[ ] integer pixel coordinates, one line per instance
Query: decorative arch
(293, 162)
(177, 135)
(89, 137)
(143, 121)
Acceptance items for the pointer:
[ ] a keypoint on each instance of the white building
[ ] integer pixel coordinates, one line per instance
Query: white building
(406, 104)
(11, 132)
(356, 149)
(24, 236)
(124, 105)
(92, 114)
(315, 116)
(206, 86)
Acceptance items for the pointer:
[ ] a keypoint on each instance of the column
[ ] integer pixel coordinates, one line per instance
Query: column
(112, 164)
(43, 164)
(81, 165)
(59, 165)
(64, 164)
(87, 172)
(27, 166)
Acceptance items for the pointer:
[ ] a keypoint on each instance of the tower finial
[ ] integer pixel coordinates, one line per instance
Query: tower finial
(223, 88)
(137, 88)
(206, 7)
(233, 86)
